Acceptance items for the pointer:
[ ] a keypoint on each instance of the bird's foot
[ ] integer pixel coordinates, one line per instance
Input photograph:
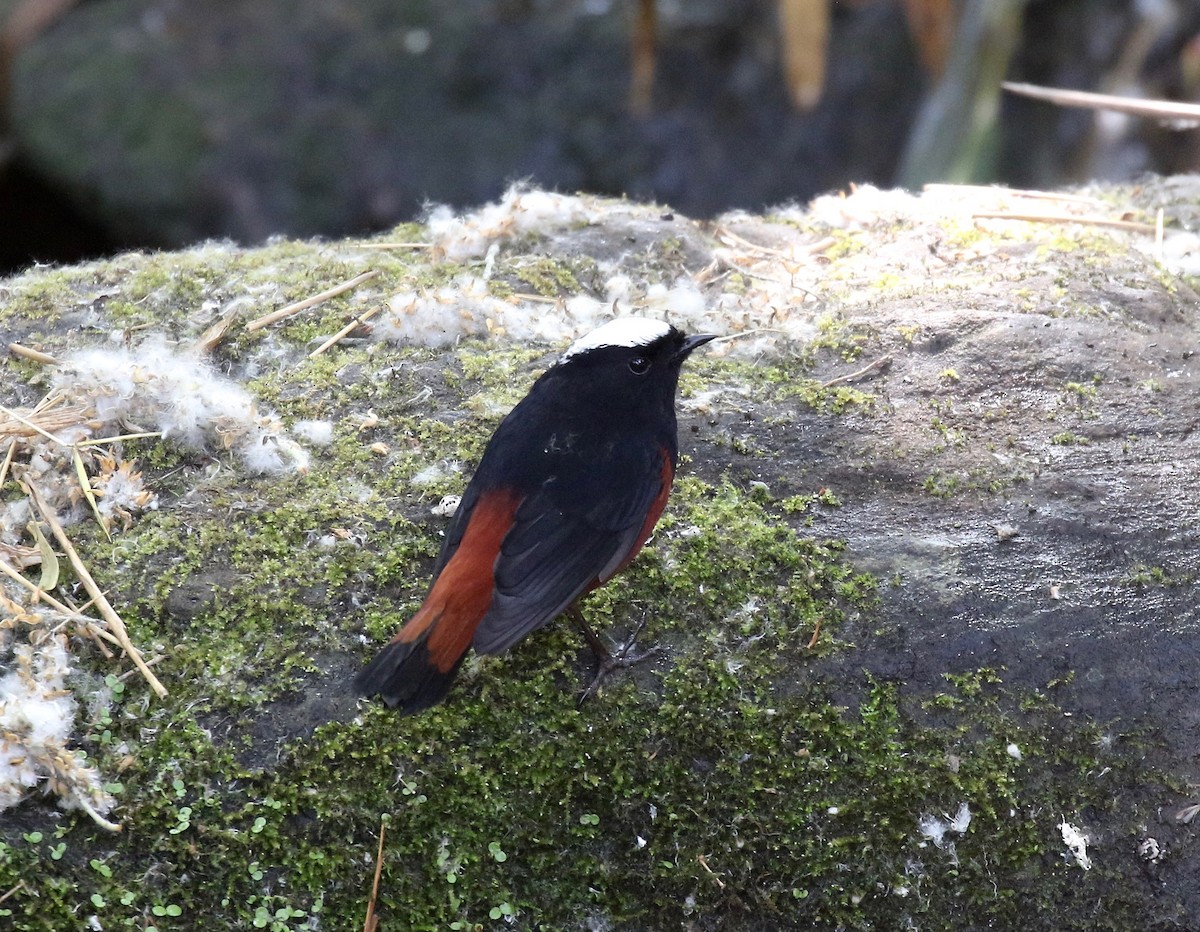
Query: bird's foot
(622, 659)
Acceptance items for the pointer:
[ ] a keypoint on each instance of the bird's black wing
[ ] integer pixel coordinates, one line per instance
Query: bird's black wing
(568, 536)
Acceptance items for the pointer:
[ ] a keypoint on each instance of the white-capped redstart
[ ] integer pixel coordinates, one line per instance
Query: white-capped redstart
(568, 490)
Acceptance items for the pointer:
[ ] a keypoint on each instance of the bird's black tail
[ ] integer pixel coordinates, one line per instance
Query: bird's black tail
(405, 678)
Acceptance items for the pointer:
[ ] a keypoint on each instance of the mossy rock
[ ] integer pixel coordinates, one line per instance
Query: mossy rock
(848, 651)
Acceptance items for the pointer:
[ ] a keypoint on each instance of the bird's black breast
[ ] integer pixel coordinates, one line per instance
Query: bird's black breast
(575, 457)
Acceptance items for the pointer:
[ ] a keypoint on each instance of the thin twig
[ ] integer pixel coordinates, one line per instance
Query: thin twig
(216, 333)
(1159, 109)
(316, 299)
(535, 298)
(9, 412)
(1082, 199)
(70, 614)
(8, 458)
(153, 661)
(101, 441)
(700, 859)
(1132, 226)
(36, 355)
(882, 364)
(392, 245)
(20, 886)
(371, 922)
(341, 334)
(729, 238)
(107, 612)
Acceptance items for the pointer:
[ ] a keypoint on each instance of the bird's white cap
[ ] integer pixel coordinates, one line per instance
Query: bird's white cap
(624, 331)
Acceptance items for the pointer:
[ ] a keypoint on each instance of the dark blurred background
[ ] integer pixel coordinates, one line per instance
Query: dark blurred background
(156, 123)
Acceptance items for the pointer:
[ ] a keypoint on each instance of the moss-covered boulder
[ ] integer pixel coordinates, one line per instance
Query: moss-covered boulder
(925, 591)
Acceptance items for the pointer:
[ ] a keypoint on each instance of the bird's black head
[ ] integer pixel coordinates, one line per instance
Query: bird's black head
(618, 380)
(630, 359)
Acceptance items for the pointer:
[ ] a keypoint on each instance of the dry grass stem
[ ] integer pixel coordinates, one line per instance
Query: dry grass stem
(85, 486)
(17, 889)
(101, 441)
(8, 458)
(393, 245)
(992, 190)
(91, 627)
(285, 312)
(106, 611)
(882, 364)
(152, 662)
(1132, 226)
(729, 238)
(20, 557)
(1158, 109)
(16, 424)
(36, 355)
(346, 330)
(212, 337)
(371, 922)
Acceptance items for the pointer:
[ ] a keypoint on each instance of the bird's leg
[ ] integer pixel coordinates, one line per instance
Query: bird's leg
(604, 657)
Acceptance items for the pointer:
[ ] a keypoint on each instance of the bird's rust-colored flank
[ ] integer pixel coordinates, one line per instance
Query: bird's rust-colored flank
(463, 591)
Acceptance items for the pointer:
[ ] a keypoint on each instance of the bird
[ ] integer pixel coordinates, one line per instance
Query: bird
(568, 490)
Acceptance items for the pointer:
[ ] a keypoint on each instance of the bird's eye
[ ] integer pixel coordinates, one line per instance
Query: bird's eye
(639, 365)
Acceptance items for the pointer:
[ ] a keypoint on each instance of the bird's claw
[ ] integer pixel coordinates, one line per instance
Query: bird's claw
(621, 660)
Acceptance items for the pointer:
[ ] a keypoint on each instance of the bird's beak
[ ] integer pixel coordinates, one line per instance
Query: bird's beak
(692, 342)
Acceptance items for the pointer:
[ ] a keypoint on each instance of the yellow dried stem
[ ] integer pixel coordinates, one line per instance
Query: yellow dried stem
(107, 612)
(86, 486)
(1131, 226)
(349, 328)
(49, 560)
(26, 352)
(284, 312)
(1156, 109)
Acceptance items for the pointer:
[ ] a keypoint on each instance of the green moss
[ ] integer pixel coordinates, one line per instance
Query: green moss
(1142, 576)
(714, 795)
(554, 276)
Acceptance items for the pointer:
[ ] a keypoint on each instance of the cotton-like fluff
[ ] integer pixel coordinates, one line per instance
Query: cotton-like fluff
(319, 433)
(521, 211)
(440, 317)
(36, 719)
(181, 395)
(863, 207)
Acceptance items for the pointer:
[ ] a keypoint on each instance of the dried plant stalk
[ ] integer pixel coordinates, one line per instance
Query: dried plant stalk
(107, 612)
(285, 312)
